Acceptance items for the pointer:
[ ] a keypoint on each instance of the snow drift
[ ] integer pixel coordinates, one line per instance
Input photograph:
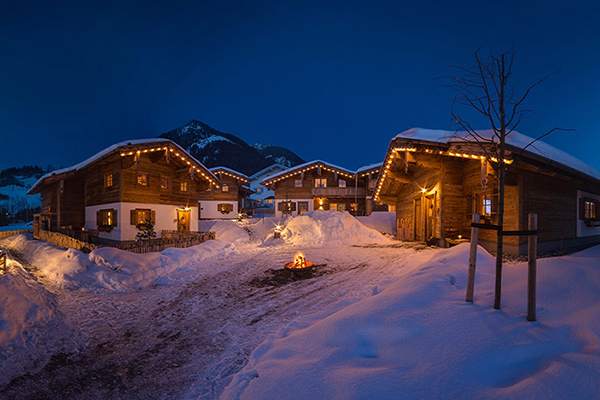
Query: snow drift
(30, 327)
(419, 339)
(319, 228)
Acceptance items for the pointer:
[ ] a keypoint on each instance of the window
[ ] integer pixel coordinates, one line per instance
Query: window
(106, 220)
(142, 179)
(141, 216)
(298, 183)
(225, 208)
(225, 188)
(108, 181)
(269, 201)
(165, 182)
(342, 183)
(353, 207)
(286, 207)
(321, 182)
(259, 190)
(486, 205)
(589, 209)
(183, 186)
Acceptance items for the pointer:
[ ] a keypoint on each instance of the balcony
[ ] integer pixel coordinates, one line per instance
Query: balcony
(337, 192)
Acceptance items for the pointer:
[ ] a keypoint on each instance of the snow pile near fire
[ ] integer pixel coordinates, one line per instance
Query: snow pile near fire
(419, 339)
(319, 228)
(30, 329)
(113, 269)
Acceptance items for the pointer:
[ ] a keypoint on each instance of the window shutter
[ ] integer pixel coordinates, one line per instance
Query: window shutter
(115, 218)
(133, 217)
(293, 206)
(98, 218)
(280, 206)
(581, 208)
(153, 217)
(495, 198)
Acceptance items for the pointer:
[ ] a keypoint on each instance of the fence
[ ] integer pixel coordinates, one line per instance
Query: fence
(65, 241)
(531, 233)
(171, 239)
(6, 234)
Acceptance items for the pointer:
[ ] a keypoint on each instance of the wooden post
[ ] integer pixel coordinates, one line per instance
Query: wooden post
(531, 268)
(472, 259)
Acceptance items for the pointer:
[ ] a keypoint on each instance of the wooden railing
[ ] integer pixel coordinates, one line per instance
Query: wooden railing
(337, 191)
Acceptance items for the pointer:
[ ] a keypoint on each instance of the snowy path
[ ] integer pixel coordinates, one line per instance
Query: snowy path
(186, 340)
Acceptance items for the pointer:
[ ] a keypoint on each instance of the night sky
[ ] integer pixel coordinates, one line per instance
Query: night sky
(328, 80)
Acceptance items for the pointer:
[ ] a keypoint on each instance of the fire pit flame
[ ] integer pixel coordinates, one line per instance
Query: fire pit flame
(299, 263)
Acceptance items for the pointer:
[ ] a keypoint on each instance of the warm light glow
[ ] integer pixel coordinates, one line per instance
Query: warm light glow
(423, 190)
(299, 261)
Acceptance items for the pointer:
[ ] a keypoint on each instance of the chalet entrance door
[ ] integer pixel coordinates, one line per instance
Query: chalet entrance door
(418, 218)
(183, 219)
(430, 214)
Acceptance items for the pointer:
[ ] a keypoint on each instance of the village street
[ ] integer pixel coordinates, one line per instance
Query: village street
(186, 338)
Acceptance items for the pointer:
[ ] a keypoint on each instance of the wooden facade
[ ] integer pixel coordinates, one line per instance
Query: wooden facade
(226, 201)
(436, 187)
(111, 192)
(318, 185)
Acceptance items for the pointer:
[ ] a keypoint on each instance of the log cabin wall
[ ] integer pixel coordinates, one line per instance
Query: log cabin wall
(65, 207)
(332, 193)
(156, 168)
(417, 210)
(232, 195)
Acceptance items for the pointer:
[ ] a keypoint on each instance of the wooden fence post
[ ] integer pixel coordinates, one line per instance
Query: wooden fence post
(531, 268)
(472, 259)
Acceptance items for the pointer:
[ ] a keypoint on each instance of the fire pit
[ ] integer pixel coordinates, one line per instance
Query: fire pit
(300, 266)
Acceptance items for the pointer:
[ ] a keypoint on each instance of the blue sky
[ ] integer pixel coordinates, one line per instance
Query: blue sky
(329, 80)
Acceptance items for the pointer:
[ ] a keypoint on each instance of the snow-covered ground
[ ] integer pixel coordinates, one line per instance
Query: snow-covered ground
(379, 319)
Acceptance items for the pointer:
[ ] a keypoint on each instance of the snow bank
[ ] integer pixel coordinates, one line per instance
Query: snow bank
(319, 228)
(228, 231)
(418, 339)
(30, 329)
(381, 221)
(113, 269)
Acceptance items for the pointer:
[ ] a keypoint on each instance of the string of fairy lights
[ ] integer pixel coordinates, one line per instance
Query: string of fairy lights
(221, 171)
(397, 151)
(171, 153)
(314, 166)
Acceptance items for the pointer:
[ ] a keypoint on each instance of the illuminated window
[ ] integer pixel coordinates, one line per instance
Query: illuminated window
(225, 188)
(298, 183)
(108, 181)
(487, 205)
(225, 208)
(342, 183)
(106, 219)
(183, 186)
(589, 209)
(321, 182)
(142, 179)
(259, 190)
(165, 182)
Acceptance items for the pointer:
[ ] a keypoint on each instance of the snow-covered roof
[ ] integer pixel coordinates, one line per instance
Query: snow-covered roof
(237, 174)
(112, 149)
(308, 165)
(369, 167)
(267, 169)
(514, 139)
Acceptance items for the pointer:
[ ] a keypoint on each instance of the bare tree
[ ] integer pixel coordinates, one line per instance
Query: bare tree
(486, 89)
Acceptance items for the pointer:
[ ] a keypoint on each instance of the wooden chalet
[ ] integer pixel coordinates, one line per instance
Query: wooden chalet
(368, 176)
(224, 202)
(113, 194)
(437, 179)
(261, 201)
(317, 185)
